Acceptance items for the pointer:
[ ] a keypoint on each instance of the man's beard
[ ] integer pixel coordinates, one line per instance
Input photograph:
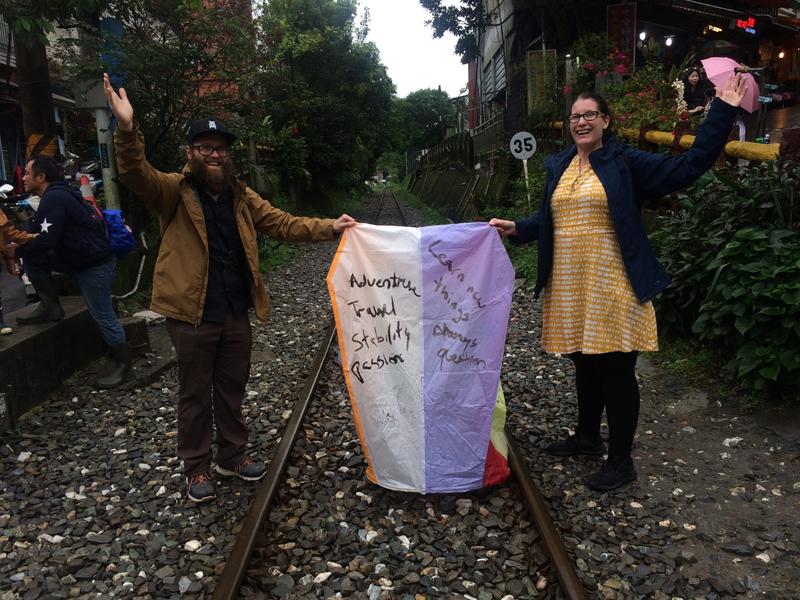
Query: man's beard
(213, 181)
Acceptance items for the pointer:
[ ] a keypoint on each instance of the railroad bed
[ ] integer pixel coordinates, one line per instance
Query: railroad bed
(332, 532)
(92, 501)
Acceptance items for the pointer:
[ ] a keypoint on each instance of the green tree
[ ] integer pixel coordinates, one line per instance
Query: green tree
(327, 86)
(421, 119)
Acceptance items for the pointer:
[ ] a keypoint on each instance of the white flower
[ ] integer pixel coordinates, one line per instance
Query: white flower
(680, 104)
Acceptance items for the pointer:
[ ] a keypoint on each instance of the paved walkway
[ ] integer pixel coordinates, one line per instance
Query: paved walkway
(775, 121)
(783, 118)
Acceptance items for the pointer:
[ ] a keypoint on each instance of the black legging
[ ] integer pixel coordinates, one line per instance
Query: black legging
(608, 381)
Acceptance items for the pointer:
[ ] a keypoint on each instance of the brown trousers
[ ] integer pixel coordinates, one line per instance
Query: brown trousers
(213, 368)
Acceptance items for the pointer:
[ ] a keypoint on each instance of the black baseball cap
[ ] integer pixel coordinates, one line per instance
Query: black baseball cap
(208, 125)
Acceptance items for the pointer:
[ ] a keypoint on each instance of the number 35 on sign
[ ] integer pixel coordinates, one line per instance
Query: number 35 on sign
(523, 146)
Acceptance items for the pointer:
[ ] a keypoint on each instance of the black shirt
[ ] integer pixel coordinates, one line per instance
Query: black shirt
(229, 277)
(694, 97)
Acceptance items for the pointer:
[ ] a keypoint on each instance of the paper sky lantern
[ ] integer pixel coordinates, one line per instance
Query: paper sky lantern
(421, 316)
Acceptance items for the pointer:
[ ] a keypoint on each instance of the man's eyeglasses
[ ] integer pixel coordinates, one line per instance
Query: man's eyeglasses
(205, 150)
(589, 115)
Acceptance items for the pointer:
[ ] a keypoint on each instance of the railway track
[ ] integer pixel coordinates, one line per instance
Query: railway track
(273, 540)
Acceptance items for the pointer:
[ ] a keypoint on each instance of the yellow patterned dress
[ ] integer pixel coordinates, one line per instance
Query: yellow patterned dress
(589, 304)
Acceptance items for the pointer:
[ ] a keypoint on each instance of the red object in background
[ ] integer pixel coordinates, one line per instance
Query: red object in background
(13, 265)
(472, 94)
(18, 175)
(621, 31)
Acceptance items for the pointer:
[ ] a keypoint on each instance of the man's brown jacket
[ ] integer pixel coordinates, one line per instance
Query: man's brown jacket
(180, 278)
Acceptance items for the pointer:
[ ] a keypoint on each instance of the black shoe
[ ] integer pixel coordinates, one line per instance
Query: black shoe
(615, 472)
(121, 371)
(577, 444)
(247, 470)
(49, 308)
(200, 487)
(44, 313)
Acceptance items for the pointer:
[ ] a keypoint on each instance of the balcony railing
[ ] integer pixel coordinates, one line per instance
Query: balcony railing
(7, 55)
(489, 137)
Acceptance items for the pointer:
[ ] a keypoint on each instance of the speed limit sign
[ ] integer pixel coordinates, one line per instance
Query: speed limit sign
(523, 145)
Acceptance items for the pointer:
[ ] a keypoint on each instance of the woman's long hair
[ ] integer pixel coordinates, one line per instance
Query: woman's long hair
(685, 78)
(603, 107)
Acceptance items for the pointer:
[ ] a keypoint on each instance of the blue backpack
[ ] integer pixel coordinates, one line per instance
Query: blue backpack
(120, 236)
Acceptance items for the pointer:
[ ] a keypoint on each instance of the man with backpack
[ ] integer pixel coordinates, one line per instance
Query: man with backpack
(72, 239)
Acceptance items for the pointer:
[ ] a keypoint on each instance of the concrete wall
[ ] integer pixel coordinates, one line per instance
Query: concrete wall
(461, 194)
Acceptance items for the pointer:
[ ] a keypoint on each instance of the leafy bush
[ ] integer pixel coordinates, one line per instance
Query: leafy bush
(646, 98)
(733, 251)
(753, 307)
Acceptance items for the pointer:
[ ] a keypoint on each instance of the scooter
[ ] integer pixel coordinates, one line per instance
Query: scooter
(19, 208)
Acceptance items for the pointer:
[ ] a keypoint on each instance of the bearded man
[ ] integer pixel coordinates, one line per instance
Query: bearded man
(205, 281)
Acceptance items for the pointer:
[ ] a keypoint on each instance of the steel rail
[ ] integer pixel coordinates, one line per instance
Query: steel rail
(228, 586)
(567, 576)
(399, 208)
(238, 559)
(380, 206)
(565, 571)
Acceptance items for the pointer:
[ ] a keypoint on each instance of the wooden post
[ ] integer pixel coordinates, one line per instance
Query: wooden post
(790, 145)
(644, 144)
(682, 127)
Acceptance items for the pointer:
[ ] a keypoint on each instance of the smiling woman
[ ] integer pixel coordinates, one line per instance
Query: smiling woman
(589, 121)
(597, 270)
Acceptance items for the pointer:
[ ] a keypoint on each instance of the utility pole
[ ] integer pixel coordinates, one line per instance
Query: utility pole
(90, 95)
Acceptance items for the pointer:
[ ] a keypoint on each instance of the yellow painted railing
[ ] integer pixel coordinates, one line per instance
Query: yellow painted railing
(746, 150)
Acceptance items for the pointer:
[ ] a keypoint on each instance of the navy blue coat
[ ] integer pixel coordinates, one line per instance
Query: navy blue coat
(70, 227)
(629, 177)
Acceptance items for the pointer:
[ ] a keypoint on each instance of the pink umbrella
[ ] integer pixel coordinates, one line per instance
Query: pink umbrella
(719, 68)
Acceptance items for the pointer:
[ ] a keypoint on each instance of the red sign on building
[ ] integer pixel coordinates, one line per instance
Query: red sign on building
(621, 27)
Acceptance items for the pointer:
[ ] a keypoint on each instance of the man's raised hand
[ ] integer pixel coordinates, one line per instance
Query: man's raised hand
(120, 105)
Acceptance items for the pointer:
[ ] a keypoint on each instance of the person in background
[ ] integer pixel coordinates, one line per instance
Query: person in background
(598, 271)
(694, 91)
(206, 280)
(72, 239)
(10, 235)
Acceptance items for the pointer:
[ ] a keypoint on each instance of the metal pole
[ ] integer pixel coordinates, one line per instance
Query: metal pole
(108, 161)
(527, 187)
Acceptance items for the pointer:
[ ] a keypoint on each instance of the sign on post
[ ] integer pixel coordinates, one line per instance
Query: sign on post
(523, 146)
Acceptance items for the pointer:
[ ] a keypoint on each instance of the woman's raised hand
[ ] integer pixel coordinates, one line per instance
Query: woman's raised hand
(120, 105)
(734, 90)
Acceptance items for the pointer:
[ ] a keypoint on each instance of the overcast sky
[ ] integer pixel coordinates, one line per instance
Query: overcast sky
(412, 57)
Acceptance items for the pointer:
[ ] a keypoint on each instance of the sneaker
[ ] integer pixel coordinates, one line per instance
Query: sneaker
(200, 487)
(5, 329)
(614, 473)
(248, 470)
(576, 444)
